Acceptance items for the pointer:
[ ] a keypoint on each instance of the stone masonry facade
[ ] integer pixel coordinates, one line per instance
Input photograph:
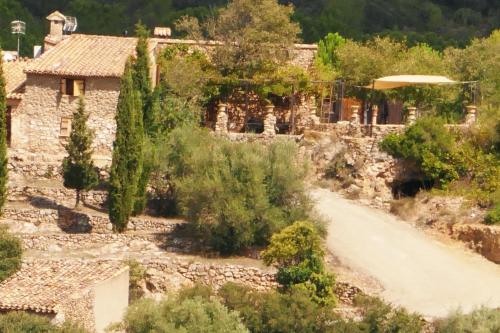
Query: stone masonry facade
(36, 131)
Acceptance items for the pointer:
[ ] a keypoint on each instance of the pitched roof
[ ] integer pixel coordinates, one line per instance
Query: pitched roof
(56, 16)
(15, 77)
(42, 285)
(86, 55)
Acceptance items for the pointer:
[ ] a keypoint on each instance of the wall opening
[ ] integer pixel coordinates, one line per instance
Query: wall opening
(409, 188)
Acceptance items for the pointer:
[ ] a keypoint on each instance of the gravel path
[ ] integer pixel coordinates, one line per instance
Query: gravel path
(415, 270)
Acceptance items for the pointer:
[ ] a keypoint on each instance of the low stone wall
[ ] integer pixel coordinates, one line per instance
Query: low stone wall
(131, 242)
(251, 137)
(54, 196)
(31, 215)
(72, 221)
(171, 274)
(81, 222)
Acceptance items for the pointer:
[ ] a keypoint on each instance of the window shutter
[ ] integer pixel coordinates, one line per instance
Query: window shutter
(63, 86)
(65, 130)
(78, 87)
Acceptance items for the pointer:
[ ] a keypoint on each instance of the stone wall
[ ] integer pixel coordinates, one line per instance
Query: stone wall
(302, 55)
(36, 132)
(122, 242)
(54, 196)
(481, 238)
(68, 220)
(165, 275)
(78, 309)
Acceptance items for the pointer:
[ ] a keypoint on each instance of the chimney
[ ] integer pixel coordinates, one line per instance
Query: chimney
(55, 35)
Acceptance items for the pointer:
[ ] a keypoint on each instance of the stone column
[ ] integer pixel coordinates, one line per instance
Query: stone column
(313, 113)
(222, 119)
(374, 114)
(412, 115)
(354, 115)
(269, 121)
(354, 125)
(471, 113)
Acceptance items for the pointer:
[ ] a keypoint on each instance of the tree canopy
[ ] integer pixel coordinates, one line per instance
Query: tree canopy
(439, 23)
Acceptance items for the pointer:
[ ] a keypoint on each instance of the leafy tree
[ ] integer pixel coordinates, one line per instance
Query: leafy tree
(194, 315)
(235, 195)
(327, 48)
(126, 167)
(478, 61)
(78, 168)
(3, 139)
(297, 252)
(10, 254)
(256, 34)
(432, 147)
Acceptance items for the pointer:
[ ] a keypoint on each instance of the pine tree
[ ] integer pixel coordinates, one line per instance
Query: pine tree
(126, 167)
(3, 138)
(78, 168)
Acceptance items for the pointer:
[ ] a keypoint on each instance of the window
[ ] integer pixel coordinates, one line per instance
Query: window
(65, 127)
(72, 87)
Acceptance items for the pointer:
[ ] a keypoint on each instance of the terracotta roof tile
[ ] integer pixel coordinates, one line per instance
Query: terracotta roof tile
(15, 77)
(42, 285)
(86, 55)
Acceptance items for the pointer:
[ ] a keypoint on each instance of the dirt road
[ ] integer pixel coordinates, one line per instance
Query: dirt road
(415, 270)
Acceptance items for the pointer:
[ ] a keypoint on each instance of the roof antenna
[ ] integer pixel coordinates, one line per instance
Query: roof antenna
(18, 28)
(70, 24)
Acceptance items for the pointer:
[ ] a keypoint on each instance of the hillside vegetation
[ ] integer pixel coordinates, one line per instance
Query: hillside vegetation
(439, 23)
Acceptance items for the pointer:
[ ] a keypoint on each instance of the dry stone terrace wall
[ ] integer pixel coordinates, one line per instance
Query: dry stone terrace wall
(53, 196)
(170, 274)
(121, 243)
(71, 221)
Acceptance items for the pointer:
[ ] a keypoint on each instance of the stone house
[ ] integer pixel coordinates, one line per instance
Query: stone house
(15, 80)
(44, 93)
(92, 293)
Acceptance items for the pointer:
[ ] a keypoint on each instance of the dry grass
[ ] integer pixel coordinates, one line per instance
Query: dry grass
(404, 208)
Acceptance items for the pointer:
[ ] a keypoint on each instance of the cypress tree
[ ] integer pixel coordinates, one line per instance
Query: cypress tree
(126, 167)
(78, 168)
(142, 83)
(142, 79)
(3, 138)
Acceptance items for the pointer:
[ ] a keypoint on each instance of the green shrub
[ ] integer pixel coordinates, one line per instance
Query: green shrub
(273, 312)
(23, 322)
(193, 315)
(137, 273)
(493, 215)
(17, 322)
(432, 147)
(381, 317)
(10, 254)
(298, 254)
(235, 195)
(480, 320)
